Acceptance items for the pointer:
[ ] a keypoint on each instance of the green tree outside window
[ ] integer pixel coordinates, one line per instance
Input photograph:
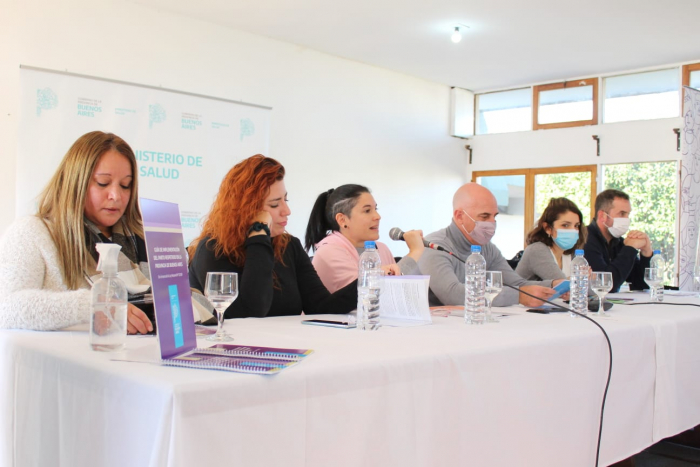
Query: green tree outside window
(651, 187)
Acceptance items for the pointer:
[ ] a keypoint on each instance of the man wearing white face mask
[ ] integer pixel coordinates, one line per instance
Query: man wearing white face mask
(473, 223)
(607, 250)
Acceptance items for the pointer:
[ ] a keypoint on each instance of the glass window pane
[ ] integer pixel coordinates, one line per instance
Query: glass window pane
(651, 187)
(695, 79)
(502, 112)
(566, 105)
(509, 191)
(576, 186)
(642, 96)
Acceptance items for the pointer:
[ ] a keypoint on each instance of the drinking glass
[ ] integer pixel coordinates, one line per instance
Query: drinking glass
(696, 279)
(494, 285)
(653, 277)
(601, 283)
(221, 289)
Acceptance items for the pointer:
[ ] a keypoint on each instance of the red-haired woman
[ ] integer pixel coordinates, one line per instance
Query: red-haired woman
(245, 233)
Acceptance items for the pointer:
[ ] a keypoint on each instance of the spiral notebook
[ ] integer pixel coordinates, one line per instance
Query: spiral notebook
(239, 358)
(173, 308)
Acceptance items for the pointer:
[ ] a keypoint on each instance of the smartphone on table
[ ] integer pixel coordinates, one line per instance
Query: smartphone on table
(329, 323)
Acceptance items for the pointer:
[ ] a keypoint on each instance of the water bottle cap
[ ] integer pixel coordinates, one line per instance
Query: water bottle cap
(476, 249)
(657, 252)
(369, 244)
(579, 253)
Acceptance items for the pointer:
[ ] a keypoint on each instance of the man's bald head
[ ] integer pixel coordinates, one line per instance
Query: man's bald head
(473, 194)
(472, 202)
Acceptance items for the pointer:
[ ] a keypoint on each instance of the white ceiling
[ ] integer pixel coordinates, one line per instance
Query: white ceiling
(508, 43)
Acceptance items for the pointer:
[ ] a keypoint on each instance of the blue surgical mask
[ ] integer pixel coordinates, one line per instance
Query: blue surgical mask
(566, 238)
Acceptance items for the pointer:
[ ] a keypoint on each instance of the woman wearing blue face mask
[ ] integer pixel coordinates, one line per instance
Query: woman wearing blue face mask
(551, 244)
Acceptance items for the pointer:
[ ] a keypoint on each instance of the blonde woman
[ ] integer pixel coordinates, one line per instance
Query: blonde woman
(47, 260)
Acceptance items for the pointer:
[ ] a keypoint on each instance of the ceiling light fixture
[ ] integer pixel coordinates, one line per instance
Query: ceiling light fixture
(456, 36)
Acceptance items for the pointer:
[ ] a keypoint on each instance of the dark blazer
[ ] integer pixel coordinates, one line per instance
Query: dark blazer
(621, 260)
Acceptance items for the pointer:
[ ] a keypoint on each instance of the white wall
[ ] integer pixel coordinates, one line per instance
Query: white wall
(334, 121)
(640, 141)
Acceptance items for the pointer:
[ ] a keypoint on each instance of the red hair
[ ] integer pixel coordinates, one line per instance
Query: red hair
(241, 196)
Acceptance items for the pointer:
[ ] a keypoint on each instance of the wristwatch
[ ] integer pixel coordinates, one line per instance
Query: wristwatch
(258, 226)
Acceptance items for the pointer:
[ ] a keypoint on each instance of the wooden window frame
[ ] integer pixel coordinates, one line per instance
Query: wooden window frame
(563, 85)
(530, 174)
(687, 69)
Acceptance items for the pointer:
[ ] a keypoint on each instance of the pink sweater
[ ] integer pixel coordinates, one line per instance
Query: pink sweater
(336, 260)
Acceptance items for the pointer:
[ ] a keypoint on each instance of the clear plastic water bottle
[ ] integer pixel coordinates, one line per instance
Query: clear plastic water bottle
(475, 287)
(369, 279)
(578, 296)
(109, 303)
(657, 261)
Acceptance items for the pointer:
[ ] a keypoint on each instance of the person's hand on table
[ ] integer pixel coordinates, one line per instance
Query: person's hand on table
(392, 270)
(536, 290)
(136, 321)
(556, 282)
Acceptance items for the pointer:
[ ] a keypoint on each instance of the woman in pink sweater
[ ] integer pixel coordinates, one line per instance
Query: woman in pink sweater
(341, 220)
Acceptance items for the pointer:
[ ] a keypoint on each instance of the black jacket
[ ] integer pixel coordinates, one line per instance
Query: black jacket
(621, 260)
(296, 286)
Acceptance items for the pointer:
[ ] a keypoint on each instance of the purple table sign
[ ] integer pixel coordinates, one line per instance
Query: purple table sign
(167, 261)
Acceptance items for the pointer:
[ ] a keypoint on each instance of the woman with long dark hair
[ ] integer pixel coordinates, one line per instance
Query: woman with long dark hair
(341, 221)
(245, 232)
(559, 232)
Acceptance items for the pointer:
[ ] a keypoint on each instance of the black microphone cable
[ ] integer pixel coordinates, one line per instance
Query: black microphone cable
(610, 362)
(610, 354)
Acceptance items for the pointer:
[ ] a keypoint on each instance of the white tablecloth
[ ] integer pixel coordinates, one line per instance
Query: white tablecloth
(525, 391)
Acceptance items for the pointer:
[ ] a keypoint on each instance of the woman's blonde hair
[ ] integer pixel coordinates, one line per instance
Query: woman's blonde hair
(62, 203)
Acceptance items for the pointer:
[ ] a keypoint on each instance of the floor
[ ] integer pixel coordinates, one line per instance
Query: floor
(667, 454)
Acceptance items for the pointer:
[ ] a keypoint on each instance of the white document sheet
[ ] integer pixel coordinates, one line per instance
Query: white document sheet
(404, 301)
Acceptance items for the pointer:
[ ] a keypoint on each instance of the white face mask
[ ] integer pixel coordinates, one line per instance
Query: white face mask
(620, 225)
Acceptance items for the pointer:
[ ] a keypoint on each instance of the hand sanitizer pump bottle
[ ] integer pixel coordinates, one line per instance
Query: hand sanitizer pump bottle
(109, 303)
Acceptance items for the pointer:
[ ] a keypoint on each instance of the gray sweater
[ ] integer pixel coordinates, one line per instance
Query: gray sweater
(447, 273)
(538, 263)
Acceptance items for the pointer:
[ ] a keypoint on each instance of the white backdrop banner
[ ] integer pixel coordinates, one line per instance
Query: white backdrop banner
(184, 143)
(690, 186)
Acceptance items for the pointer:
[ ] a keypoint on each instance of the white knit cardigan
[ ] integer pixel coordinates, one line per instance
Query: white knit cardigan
(32, 292)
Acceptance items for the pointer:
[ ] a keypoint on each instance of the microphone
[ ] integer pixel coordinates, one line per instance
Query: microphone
(397, 234)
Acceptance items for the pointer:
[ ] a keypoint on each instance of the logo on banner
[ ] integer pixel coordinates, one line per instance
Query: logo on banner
(89, 107)
(190, 219)
(46, 99)
(156, 114)
(247, 128)
(191, 121)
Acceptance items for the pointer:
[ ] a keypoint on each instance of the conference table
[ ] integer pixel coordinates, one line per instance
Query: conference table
(522, 392)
